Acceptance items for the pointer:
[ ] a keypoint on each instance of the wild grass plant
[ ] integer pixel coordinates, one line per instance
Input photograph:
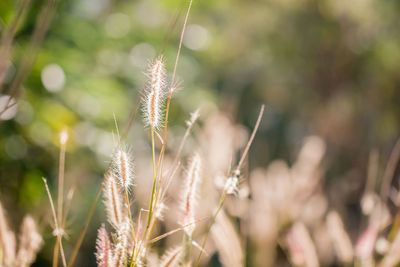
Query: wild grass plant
(131, 237)
(201, 206)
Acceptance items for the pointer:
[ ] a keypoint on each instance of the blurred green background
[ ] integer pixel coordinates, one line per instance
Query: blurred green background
(325, 67)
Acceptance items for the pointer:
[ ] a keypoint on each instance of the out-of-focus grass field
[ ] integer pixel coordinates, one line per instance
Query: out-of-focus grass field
(323, 67)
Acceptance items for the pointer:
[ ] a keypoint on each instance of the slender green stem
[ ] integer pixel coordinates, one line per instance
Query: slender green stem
(150, 215)
(153, 153)
(152, 223)
(129, 214)
(189, 249)
(133, 259)
(160, 163)
(154, 182)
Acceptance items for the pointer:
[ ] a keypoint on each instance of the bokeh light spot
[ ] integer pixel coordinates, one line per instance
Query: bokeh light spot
(117, 25)
(53, 78)
(196, 37)
(140, 54)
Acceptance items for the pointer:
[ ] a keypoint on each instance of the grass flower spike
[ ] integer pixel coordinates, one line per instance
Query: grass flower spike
(121, 248)
(113, 201)
(189, 194)
(103, 248)
(30, 241)
(123, 168)
(155, 94)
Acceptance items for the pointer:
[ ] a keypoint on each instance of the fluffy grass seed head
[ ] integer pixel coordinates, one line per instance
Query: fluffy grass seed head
(120, 253)
(7, 240)
(103, 248)
(193, 117)
(122, 168)
(189, 194)
(113, 201)
(30, 241)
(227, 241)
(155, 93)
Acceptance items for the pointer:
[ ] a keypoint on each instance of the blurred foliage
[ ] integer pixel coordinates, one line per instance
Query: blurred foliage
(326, 67)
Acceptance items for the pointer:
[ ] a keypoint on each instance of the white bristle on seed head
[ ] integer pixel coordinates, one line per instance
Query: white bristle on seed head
(189, 194)
(123, 168)
(155, 93)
